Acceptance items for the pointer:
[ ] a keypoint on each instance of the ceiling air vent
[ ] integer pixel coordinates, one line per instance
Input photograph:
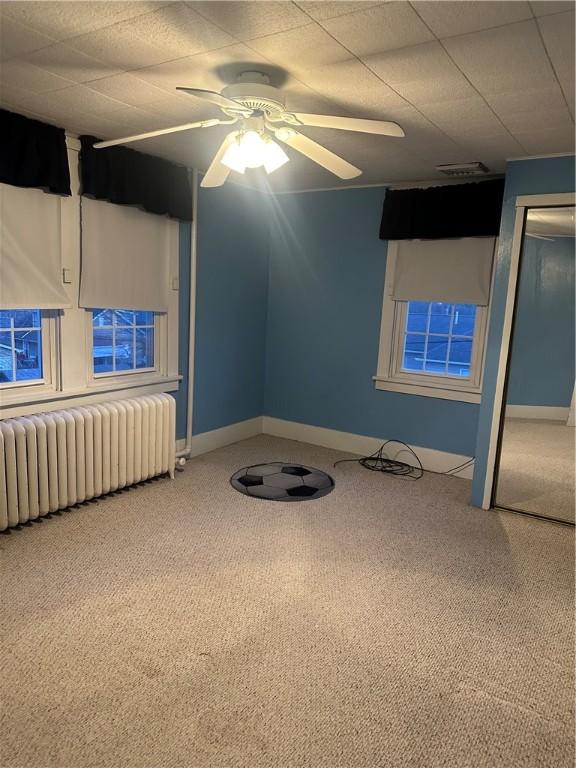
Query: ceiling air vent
(463, 169)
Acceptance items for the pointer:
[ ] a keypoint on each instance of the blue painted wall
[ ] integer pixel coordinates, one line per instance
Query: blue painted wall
(185, 237)
(542, 359)
(523, 177)
(326, 284)
(231, 305)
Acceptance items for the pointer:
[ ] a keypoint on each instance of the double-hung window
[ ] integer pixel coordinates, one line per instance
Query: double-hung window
(434, 317)
(24, 347)
(123, 341)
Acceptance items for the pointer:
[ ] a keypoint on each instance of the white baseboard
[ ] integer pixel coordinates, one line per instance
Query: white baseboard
(218, 438)
(432, 460)
(547, 412)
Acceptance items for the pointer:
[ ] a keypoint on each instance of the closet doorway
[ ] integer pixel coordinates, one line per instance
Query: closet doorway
(535, 457)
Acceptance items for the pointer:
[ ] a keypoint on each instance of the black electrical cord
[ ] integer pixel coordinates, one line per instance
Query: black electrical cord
(379, 462)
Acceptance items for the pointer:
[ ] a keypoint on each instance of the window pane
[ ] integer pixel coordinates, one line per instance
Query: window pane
(6, 373)
(417, 316)
(460, 357)
(28, 346)
(436, 354)
(124, 317)
(5, 318)
(101, 317)
(413, 359)
(123, 350)
(103, 350)
(144, 318)
(123, 340)
(461, 351)
(26, 318)
(440, 317)
(464, 319)
(144, 348)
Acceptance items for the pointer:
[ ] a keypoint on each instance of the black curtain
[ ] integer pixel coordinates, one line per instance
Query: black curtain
(454, 210)
(126, 177)
(33, 154)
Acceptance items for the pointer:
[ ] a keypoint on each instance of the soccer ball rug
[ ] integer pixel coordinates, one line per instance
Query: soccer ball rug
(279, 481)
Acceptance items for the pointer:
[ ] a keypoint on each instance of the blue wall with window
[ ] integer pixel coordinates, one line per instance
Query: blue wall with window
(542, 359)
(326, 284)
(524, 177)
(231, 306)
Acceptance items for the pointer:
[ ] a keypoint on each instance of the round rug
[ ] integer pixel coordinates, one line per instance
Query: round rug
(279, 481)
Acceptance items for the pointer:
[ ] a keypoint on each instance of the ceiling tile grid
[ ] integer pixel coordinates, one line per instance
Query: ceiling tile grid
(467, 80)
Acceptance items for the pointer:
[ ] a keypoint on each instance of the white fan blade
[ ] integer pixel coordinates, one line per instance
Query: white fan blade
(217, 173)
(216, 98)
(319, 154)
(161, 132)
(381, 127)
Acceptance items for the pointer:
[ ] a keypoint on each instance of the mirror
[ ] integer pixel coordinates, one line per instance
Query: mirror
(535, 472)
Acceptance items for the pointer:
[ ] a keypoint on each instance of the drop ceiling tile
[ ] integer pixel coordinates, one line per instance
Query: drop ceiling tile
(549, 141)
(67, 62)
(119, 47)
(503, 60)
(424, 139)
(384, 28)
(301, 49)
(548, 98)
(20, 74)
(538, 120)
(177, 29)
(16, 39)
(81, 98)
(248, 20)
(62, 20)
(446, 19)
(354, 87)
(326, 9)
(547, 7)
(421, 74)
(558, 34)
(463, 116)
(128, 89)
(205, 70)
(493, 151)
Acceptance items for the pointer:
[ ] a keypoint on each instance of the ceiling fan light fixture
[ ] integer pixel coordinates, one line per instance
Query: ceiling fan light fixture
(253, 149)
(274, 156)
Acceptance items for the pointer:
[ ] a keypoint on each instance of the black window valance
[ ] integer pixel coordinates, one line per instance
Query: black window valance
(127, 177)
(455, 210)
(33, 154)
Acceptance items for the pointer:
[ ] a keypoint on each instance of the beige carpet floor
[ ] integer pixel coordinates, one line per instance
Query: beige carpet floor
(537, 468)
(386, 624)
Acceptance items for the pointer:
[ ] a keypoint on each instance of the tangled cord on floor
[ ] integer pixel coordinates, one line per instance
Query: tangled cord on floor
(379, 462)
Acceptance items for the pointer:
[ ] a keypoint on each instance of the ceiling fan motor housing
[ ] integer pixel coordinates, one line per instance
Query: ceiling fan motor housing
(257, 96)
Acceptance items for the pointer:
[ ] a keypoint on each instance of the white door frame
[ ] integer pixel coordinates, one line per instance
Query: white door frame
(522, 202)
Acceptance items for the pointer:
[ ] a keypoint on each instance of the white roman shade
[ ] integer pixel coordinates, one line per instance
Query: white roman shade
(456, 271)
(125, 257)
(30, 250)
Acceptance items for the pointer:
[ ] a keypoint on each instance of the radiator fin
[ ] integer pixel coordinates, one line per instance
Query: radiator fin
(50, 461)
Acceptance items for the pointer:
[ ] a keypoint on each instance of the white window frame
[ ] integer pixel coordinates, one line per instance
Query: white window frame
(390, 376)
(160, 354)
(48, 331)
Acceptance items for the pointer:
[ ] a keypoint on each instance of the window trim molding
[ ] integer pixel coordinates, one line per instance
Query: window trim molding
(390, 378)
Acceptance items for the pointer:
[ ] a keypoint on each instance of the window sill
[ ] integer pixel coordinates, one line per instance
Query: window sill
(23, 403)
(426, 390)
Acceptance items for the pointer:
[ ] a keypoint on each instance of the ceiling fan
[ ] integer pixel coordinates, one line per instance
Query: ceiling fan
(259, 110)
